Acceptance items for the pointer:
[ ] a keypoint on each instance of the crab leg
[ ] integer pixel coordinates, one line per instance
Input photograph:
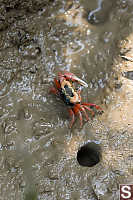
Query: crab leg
(93, 105)
(89, 110)
(76, 110)
(57, 84)
(82, 108)
(54, 91)
(81, 119)
(71, 113)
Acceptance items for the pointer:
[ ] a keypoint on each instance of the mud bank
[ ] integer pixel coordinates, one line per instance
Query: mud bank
(39, 153)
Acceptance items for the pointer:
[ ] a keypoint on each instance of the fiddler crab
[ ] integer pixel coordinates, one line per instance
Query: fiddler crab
(64, 88)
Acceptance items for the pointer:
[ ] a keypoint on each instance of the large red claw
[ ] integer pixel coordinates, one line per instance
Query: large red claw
(70, 76)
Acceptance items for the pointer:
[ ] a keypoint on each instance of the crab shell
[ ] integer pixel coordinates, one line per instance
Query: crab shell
(69, 95)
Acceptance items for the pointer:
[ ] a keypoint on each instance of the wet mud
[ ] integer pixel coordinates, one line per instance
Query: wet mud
(41, 157)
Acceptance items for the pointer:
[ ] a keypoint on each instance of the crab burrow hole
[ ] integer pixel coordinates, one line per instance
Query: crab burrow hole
(89, 155)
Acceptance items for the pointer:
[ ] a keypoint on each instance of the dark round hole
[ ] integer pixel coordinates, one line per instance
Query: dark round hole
(89, 154)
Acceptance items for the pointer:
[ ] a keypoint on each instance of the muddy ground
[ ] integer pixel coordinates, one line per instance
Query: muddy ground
(41, 156)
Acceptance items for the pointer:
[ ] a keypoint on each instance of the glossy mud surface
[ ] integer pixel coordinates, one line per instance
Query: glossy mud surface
(38, 151)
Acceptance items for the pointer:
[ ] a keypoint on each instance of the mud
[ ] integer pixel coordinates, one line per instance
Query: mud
(38, 151)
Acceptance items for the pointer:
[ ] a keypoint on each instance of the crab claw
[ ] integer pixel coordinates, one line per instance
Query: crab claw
(81, 82)
(71, 76)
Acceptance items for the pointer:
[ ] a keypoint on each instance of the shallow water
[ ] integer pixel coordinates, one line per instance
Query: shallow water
(38, 150)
